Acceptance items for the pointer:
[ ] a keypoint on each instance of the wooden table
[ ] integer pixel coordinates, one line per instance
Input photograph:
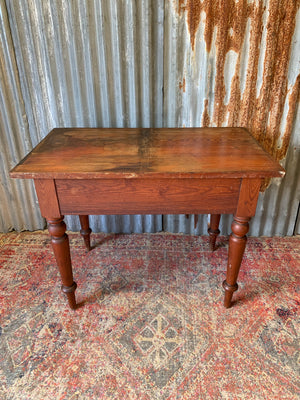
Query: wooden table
(148, 171)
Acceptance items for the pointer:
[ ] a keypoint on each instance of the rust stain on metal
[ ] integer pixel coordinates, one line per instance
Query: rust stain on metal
(205, 116)
(293, 103)
(275, 83)
(193, 8)
(182, 85)
(261, 113)
(247, 103)
(226, 14)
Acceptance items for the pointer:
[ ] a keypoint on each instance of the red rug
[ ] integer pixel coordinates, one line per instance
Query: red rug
(152, 324)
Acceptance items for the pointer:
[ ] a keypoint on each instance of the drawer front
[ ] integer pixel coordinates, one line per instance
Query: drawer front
(147, 196)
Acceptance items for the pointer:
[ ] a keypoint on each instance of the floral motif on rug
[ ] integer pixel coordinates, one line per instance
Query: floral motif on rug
(151, 323)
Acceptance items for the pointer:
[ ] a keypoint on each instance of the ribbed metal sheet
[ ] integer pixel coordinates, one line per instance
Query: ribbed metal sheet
(18, 203)
(89, 63)
(145, 63)
(237, 64)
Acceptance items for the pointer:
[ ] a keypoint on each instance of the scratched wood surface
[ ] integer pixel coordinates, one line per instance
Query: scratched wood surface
(83, 153)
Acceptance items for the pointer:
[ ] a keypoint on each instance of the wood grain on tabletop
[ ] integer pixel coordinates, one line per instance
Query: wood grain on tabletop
(161, 152)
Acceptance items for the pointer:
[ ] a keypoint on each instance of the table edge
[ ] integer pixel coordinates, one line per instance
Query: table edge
(135, 175)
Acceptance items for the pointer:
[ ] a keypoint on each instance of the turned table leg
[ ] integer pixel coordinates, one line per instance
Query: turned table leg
(237, 244)
(61, 248)
(213, 230)
(85, 230)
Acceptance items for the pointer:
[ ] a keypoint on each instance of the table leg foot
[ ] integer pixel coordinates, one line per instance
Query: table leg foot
(69, 291)
(229, 289)
(237, 244)
(61, 249)
(213, 230)
(85, 230)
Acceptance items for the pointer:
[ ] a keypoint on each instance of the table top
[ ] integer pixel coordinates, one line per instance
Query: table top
(91, 153)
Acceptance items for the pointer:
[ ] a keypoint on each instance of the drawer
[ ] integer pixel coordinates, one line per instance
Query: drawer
(147, 196)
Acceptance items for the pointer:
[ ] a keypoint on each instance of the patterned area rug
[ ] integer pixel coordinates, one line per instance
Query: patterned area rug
(152, 324)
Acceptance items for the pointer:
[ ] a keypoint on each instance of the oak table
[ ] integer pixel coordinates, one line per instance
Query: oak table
(148, 171)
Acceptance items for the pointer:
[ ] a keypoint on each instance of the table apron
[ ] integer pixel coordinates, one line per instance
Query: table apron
(147, 196)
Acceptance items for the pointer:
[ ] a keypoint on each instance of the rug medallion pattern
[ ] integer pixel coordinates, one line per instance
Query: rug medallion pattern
(151, 324)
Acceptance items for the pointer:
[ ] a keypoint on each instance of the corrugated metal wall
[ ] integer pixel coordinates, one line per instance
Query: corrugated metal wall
(236, 63)
(150, 63)
(18, 204)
